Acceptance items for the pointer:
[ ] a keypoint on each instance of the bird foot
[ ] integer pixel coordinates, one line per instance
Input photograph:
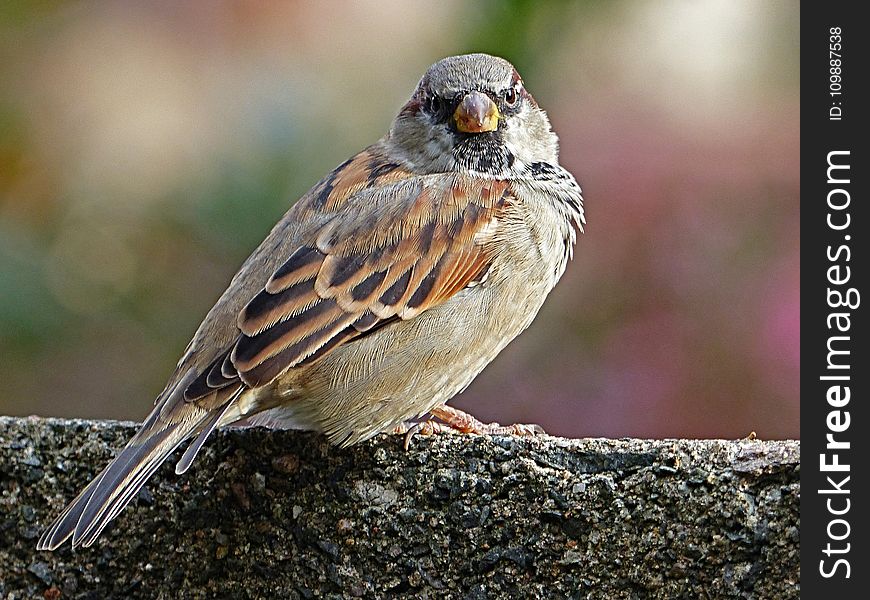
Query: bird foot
(452, 420)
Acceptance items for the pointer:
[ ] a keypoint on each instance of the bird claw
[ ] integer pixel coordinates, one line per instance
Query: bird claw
(452, 420)
(421, 428)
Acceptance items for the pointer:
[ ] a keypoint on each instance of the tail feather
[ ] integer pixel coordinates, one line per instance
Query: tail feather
(193, 449)
(104, 498)
(122, 480)
(113, 488)
(65, 523)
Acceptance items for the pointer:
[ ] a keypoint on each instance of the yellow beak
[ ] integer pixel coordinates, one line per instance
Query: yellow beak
(476, 113)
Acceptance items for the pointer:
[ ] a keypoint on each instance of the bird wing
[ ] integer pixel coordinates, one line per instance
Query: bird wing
(390, 252)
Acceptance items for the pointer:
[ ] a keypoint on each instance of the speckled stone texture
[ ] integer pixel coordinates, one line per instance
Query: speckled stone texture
(276, 514)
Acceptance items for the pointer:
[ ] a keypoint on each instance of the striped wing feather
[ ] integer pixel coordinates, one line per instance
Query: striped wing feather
(365, 268)
(389, 252)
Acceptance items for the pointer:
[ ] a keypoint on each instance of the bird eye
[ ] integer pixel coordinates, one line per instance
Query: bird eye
(435, 104)
(511, 96)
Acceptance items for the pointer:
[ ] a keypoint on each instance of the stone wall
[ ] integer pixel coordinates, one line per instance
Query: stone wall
(284, 515)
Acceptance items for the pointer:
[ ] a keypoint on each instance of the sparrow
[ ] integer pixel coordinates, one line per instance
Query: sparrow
(380, 294)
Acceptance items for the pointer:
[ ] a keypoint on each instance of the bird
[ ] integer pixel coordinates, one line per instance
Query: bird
(380, 294)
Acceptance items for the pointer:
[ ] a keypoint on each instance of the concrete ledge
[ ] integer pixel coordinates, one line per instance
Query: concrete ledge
(284, 515)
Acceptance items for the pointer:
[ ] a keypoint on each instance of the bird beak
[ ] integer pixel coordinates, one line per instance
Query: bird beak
(476, 113)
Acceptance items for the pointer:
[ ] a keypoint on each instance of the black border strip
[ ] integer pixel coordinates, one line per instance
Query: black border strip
(834, 363)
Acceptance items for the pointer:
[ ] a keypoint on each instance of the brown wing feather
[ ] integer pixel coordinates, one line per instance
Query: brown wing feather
(389, 245)
(394, 252)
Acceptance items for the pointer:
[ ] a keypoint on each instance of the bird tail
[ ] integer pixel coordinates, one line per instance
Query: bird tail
(110, 491)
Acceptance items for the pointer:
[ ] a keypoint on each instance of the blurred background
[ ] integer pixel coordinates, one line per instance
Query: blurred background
(147, 147)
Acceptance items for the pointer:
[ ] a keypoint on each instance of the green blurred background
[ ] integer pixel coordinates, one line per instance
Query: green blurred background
(147, 147)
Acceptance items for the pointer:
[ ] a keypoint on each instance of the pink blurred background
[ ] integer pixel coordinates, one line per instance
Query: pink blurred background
(146, 149)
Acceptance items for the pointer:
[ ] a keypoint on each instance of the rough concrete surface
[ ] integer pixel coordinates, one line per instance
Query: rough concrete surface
(278, 514)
